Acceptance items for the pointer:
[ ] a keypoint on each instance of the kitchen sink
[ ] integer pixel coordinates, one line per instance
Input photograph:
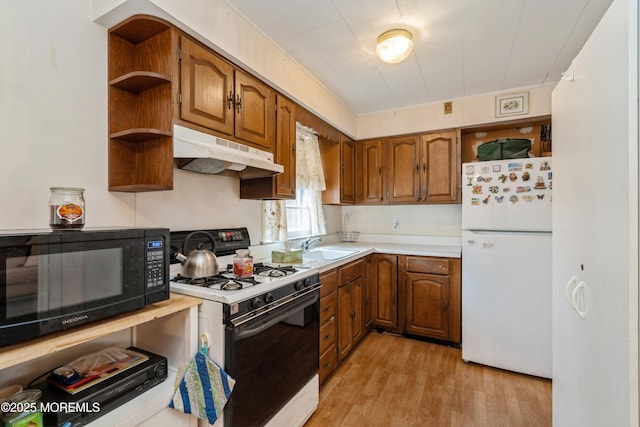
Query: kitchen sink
(327, 254)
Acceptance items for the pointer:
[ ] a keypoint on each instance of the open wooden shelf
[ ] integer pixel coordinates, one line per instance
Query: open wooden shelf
(33, 349)
(139, 81)
(139, 134)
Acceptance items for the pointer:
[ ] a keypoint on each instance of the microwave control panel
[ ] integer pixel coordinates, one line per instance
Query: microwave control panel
(156, 279)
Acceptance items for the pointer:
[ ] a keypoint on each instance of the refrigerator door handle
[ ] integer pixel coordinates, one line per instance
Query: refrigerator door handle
(567, 292)
(572, 291)
(578, 306)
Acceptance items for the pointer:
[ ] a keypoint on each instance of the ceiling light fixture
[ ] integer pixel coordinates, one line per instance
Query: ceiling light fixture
(394, 46)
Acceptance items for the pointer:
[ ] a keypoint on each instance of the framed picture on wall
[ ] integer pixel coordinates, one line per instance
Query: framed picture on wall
(512, 105)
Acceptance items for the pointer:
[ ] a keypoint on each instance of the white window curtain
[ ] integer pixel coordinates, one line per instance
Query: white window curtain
(309, 186)
(310, 178)
(274, 221)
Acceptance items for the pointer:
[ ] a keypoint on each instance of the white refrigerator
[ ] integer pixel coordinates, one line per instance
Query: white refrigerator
(506, 264)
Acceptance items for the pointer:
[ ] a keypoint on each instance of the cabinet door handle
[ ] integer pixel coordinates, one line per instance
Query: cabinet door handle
(238, 103)
(230, 101)
(424, 167)
(418, 168)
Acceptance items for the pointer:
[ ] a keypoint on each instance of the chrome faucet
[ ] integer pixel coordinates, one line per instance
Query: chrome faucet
(306, 243)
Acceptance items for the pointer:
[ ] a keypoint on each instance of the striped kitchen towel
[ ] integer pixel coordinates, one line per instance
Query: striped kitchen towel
(202, 388)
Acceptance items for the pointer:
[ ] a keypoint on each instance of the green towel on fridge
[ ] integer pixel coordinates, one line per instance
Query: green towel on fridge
(202, 388)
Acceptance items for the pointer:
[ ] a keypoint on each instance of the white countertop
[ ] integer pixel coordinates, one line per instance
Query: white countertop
(360, 249)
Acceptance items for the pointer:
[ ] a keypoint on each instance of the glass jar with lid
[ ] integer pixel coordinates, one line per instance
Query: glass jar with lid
(66, 208)
(243, 263)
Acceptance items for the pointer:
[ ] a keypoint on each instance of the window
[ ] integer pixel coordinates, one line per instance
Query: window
(299, 215)
(303, 216)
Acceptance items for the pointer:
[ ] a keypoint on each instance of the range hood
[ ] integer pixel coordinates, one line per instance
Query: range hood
(203, 153)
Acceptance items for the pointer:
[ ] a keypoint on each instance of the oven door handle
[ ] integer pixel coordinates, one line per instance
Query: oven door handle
(243, 331)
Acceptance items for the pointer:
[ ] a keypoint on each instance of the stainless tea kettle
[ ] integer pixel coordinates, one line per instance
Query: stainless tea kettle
(199, 262)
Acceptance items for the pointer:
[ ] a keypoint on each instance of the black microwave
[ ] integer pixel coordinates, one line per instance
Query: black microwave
(54, 280)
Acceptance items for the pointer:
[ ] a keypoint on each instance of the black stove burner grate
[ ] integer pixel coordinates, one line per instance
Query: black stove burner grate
(273, 270)
(224, 283)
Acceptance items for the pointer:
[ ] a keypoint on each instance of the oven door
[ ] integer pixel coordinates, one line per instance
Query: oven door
(52, 282)
(271, 357)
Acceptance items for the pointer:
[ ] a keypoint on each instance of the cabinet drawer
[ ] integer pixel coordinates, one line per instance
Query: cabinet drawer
(327, 307)
(328, 334)
(428, 265)
(329, 282)
(328, 363)
(351, 271)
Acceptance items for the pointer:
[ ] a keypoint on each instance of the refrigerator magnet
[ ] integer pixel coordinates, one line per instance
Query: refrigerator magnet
(523, 189)
(540, 196)
(502, 178)
(506, 189)
(494, 189)
(475, 201)
(513, 199)
(486, 200)
(527, 198)
(526, 176)
(485, 169)
(497, 168)
(544, 166)
(512, 177)
(470, 170)
(499, 199)
(515, 167)
(540, 185)
(528, 166)
(477, 189)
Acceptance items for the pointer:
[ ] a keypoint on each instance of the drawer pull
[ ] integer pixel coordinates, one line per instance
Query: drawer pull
(326, 337)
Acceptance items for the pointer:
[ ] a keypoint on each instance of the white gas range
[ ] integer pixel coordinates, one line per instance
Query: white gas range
(264, 331)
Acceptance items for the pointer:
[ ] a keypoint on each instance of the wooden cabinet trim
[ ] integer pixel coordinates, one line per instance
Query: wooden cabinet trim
(419, 264)
(329, 282)
(351, 271)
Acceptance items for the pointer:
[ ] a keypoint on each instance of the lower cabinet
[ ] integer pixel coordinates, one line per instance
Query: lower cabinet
(432, 297)
(343, 304)
(384, 291)
(328, 324)
(417, 295)
(350, 303)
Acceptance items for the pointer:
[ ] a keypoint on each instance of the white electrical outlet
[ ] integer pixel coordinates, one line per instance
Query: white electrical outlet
(395, 224)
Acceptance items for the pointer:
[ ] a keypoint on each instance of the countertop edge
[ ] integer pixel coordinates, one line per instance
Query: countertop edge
(365, 248)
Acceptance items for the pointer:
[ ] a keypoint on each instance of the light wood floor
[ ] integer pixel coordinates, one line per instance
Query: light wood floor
(394, 381)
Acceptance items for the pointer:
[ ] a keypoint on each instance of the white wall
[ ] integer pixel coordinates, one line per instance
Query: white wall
(469, 111)
(432, 220)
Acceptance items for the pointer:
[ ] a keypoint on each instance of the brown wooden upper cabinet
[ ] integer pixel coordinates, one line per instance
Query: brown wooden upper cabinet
(281, 186)
(218, 96)
(370, 177)
(339, 166)
(409, 169)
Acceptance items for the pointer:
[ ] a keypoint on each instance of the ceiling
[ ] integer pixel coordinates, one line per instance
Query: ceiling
(462, 47)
